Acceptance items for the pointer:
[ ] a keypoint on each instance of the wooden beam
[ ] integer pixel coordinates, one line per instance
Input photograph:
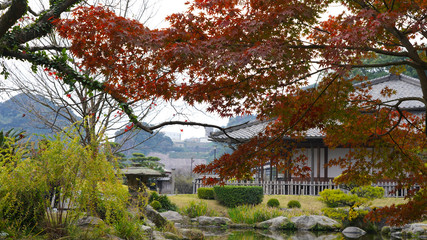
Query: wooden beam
(318, 163)
(326, 162)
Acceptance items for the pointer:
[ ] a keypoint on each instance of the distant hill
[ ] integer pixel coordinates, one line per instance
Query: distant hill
(13, 115)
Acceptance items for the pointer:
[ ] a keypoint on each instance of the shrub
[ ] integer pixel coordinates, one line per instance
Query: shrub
(205, 193)
(164, 201)
(369, 192)
(153, 196)
(337, 198)
(294, 204)
(232, 196)
(252, 214)
(156, 205)
(273, 202)
(197, 209)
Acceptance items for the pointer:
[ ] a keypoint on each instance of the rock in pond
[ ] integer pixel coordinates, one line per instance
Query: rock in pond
(315, 223)
(415, 230)
(353, 232)
(214, 221)
(276, 223)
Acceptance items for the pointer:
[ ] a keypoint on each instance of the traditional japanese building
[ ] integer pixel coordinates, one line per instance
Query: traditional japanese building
(313, 145)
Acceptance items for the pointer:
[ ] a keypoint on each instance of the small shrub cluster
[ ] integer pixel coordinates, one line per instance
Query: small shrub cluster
(273, 202)
(197, 209)
(368, 192)
(337, 198)
(205, 193)
(232, 196)
(252, 214)
(163, 200)
(294, 204)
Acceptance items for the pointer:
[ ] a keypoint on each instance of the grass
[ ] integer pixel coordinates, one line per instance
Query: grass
(183, 200)
(309, 204)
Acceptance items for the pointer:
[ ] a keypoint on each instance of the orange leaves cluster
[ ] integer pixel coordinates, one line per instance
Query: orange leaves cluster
(118, 48)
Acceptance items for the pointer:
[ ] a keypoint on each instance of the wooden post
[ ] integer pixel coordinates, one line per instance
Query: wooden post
(312, 162)
(318, 164)
(325, 163)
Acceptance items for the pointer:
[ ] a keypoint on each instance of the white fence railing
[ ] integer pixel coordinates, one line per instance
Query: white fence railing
(303, 187)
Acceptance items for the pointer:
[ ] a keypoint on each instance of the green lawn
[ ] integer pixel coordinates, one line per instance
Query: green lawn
(309, 204)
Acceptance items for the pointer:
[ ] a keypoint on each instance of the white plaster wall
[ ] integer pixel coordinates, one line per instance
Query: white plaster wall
(332, 153)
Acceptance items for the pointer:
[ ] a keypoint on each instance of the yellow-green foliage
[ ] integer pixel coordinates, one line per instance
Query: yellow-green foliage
(368, 192)
(197, 209)
(82, 175)
(337, 198)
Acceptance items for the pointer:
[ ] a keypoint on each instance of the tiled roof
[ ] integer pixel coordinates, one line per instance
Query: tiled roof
(142, 171)
(405, 87)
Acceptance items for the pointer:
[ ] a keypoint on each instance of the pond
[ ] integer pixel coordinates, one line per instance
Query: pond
(251, 234)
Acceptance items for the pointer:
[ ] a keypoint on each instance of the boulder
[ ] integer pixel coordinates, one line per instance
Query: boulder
(158, 236)
(353, 232)
(215, 221)
(171, 236)
(315, 223)
(415, 230)
(192, 234)
(172, 216)
(155, 217)
(89, 221)
(276, 223)
(147, 230)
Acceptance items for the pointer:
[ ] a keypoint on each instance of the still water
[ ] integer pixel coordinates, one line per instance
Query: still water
(231, 234)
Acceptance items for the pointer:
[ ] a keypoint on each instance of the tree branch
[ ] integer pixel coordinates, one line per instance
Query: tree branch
(16, 10)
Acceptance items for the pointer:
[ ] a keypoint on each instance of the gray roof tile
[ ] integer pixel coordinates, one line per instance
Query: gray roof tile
(405, 87)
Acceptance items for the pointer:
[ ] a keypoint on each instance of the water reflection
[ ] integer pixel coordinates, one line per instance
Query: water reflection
(250, 234)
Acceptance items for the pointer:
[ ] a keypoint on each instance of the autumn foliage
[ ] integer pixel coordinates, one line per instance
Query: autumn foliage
(256, 57)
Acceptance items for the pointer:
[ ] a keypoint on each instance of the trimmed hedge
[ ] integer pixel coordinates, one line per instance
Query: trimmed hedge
(294, 204)
(273, 202)
(233, 196)
(205, 193)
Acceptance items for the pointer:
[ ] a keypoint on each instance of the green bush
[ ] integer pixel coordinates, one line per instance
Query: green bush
(24, 208)
(294, 204)
(153, 196)
(164, 201)
(232, 196)
(205, 193)
(368, 192)
(273, 202)
(156, 205)
(337, 198)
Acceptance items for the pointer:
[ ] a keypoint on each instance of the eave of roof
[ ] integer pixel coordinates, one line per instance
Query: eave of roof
(243, 132)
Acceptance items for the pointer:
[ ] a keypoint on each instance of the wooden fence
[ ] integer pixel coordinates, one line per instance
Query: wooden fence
(303, 187)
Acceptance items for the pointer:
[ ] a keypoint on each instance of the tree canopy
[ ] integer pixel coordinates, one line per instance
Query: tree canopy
(255, 57)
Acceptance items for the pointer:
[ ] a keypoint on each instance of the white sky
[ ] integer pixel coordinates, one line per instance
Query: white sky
(165, 8)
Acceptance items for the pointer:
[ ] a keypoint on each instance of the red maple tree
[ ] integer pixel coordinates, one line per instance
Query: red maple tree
(255, 57)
